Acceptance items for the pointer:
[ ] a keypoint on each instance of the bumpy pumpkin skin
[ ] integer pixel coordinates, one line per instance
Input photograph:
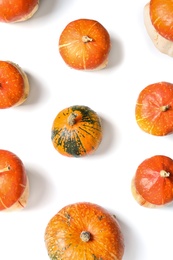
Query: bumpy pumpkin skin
(152, 185)
(64, 234)
(154, 109)
(76, 131)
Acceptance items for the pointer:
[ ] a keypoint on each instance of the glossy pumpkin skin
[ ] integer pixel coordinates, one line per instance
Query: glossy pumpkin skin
(154, 109)
(84, 44)
(13, 180)
(152, 184)
(161, 14)
(76, 131)
(66, 234)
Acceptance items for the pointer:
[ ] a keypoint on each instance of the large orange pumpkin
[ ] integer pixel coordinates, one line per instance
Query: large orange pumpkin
(154, 109)
(152, 184)
(84, 231)
(76, 131)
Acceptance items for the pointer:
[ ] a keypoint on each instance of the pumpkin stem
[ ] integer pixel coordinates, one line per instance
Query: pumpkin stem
(6, 169)
(164, 174)
(71, 119)
(165, 108)
(86, 39)
(85, 236)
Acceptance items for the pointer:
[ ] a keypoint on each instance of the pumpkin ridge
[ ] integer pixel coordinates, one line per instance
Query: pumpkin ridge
(101, 249)
(55, 132)
(98, 44)
(70, 141)
(90, 142)
(92, 122)
(87, 132)
(67, 44)
(57, 141)
(74, 145)
(91, 27)
(80, 144)
(84, 62)
(89, 119)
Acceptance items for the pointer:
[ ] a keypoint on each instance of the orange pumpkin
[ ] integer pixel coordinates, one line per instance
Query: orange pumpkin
(161, 14)
(154, 109)
(17, 10)
(76, 131)
(158, 20)
(84, 44)
(152, 184)
(14, 85)
(14, 183)
(84, 231)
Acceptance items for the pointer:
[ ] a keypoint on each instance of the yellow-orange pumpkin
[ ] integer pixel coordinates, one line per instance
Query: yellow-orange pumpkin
(84, 230)
(76, 131)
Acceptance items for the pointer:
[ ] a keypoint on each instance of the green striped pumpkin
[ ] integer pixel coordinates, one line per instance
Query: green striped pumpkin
(76, 131)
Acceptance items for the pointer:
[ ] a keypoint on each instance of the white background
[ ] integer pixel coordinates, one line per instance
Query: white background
(105, 177)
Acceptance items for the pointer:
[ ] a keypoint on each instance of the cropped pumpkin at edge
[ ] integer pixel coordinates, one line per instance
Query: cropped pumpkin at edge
(14, 182)
(158, 21)
(14, 85)
(84, 230)
(154, 109)
(76, 131)
(17, 10)
(152, 184)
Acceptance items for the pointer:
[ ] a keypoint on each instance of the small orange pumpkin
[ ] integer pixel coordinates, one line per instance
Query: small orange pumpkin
(84, 44)
(152, 184)
(14, 183)
(76, 131)
(17, 10)
(84, 231)
(14, 85)
(158, 20)
(161, 16)
(154, 109)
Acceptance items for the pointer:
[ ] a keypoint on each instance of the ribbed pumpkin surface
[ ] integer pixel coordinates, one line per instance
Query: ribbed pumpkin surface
(76, 131)
(84, 231)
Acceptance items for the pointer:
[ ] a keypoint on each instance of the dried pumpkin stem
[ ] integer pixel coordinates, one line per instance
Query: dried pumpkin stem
(165, 108)
(71, 119)
(85, 236)
(86, 39)
(6, 169)
(164, 173)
